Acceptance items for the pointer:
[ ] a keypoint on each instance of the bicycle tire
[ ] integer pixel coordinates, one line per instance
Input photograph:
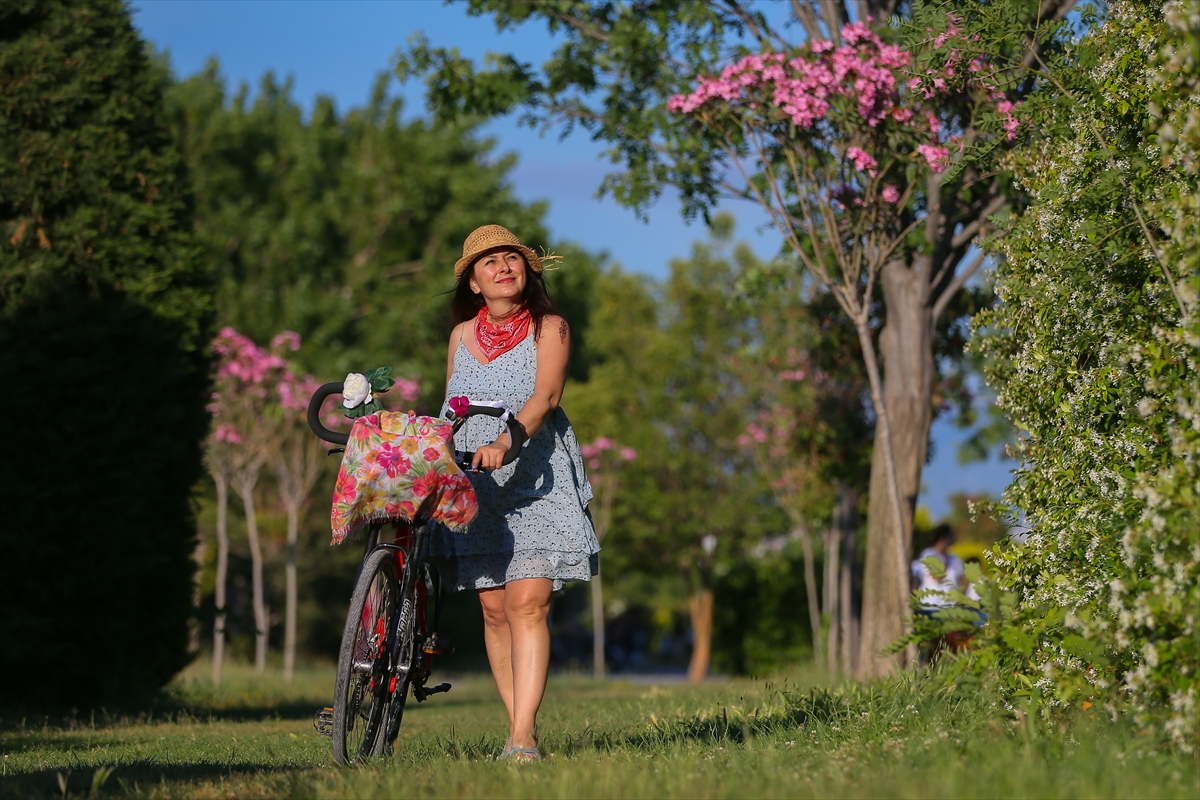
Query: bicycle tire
(362, 671)
(407, 630)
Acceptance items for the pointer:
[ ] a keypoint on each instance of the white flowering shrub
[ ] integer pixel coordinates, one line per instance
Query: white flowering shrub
(1092, 349)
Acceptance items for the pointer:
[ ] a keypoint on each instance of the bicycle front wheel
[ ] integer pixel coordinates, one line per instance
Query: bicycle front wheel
(361, 691)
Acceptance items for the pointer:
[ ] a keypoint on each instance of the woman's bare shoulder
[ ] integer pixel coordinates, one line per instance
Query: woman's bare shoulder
(554, 328)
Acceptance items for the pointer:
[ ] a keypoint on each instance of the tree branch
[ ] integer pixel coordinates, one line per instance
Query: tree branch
(954, 285)
(968, 232)
(808, 18)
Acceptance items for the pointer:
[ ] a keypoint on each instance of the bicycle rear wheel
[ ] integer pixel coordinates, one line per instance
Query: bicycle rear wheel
(361, 690)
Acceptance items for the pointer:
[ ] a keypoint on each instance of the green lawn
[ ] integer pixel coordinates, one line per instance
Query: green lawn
(742, 738)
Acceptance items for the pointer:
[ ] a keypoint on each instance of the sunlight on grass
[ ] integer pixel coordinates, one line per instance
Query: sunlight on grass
(787, 737)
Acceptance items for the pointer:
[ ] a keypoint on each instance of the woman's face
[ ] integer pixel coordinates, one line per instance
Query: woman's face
(499, 276)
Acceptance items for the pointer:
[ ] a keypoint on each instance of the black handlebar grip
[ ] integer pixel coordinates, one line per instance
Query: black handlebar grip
(314, 415)
(516, 431)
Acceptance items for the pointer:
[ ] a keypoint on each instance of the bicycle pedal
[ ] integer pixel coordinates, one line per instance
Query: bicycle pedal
(439, 644)
(323, 722)
(441, 687)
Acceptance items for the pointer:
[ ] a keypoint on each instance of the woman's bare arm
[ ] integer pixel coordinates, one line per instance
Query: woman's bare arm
(553, 350)
(455, 336)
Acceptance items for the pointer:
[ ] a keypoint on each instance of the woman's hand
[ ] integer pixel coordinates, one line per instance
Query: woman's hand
(491, 456)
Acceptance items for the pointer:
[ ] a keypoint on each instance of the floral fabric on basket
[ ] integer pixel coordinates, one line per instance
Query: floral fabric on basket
(395, 466)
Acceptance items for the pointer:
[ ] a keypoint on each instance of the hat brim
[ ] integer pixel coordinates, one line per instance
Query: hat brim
(532, 258)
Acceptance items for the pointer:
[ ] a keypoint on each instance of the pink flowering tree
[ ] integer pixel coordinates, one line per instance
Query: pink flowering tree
(604, 459)
(852, 151)
(297, 459)
(874, 147)
(259, 408)
(240, 445)
(243, 440)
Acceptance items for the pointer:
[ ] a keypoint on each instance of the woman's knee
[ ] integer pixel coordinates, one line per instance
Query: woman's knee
(492, 603)
(526, 609)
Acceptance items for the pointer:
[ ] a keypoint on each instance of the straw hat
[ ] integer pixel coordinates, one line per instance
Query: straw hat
(490, 237)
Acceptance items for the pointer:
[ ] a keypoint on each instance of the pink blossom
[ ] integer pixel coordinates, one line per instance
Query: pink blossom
(793, 375)
(290, 339)
(603, 443)
(863, 162)
(628, 453)
(757, 433)
(890, 193)
(593, 464)
(937, 157)
(588, 451)
(228, 433)
(409, 389)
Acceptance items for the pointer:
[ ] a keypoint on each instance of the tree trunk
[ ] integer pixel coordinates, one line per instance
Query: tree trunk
(246, 489)
(222, 572)
(700, 606)
(597, 629)
(289, 625)
(847, 523)
(810, 590)
(830, 597)
(194, 629)
(906, 348)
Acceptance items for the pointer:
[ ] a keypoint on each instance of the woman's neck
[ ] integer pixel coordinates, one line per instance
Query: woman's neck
(500, 311)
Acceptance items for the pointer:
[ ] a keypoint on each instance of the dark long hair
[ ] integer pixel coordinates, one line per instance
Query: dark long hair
(465, 304)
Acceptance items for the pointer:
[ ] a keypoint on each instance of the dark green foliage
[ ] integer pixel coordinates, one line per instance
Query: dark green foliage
(760, 615)
(343, 227)
(98, 531)
(104, 315)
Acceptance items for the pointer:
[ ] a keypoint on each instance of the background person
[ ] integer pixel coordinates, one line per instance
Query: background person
(533, 531)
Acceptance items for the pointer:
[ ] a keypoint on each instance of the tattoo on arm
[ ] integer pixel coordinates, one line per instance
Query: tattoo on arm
(562, 330)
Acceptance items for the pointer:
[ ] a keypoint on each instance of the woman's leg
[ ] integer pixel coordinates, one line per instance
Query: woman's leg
(527, 609)
(499, 644)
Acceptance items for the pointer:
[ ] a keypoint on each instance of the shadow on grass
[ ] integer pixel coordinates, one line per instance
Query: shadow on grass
(31, 724)
(142, 774)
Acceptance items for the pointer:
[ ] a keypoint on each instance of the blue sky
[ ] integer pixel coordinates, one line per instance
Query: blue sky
(338, 47)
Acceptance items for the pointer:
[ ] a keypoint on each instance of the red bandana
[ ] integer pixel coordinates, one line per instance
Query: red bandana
(496, 340)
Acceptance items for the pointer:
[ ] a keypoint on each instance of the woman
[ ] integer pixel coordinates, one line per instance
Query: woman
(533, 531)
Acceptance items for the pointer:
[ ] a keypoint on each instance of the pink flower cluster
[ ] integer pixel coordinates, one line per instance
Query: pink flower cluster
(243, 360)
(594, 452)
(246, 375)
(801, 87)
(875, 75)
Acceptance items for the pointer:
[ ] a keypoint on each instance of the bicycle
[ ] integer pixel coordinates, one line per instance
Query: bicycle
(387, 646)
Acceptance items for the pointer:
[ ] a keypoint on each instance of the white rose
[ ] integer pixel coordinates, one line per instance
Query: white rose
(355, 390)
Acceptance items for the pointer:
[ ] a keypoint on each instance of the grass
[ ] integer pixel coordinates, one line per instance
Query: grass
(791, 738)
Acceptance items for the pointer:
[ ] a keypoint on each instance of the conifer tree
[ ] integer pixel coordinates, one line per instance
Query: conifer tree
(105, 315)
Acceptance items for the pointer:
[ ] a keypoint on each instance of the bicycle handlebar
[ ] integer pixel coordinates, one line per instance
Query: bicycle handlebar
(314, 414)
(516, 432)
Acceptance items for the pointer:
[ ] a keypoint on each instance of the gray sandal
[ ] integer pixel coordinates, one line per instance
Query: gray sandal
(510, 753)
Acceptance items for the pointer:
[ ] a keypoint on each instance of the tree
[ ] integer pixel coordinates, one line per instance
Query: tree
(879, 185)
(662, 380)
(341, 227)
(105, 314)
(603, 458)
(297, 461)
(246, 401)
(810, 443)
